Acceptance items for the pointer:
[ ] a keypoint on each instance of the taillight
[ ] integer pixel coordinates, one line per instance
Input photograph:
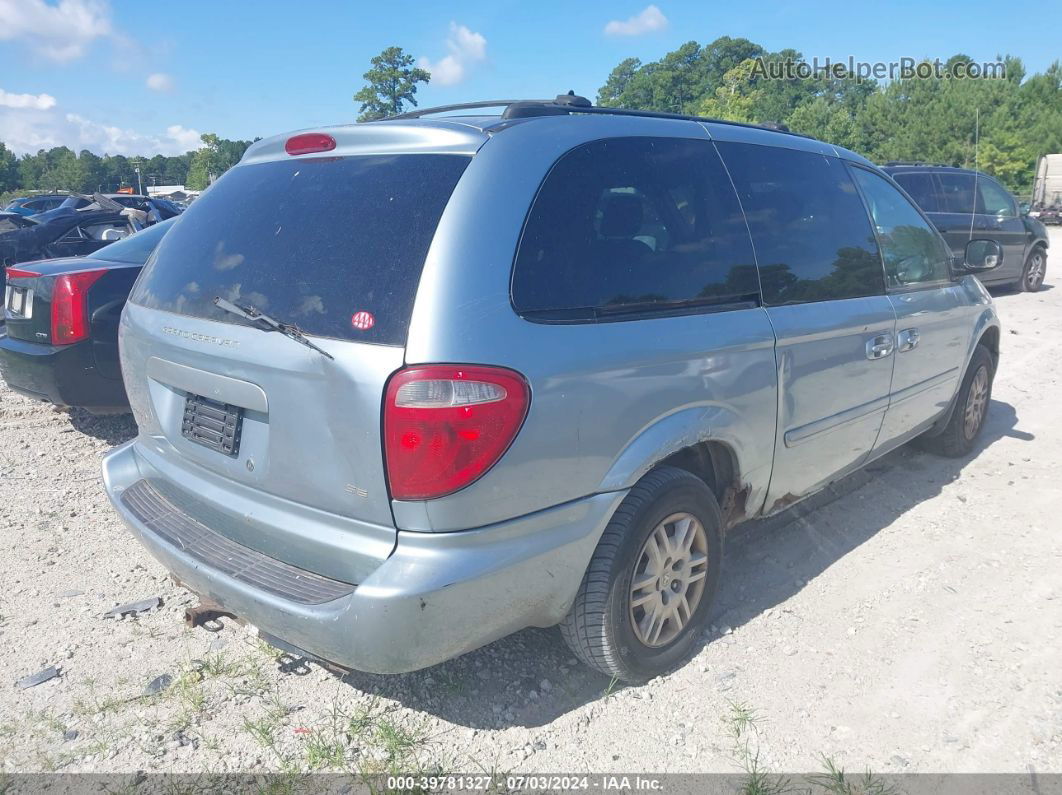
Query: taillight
(70, 321)
(307, 143)
(19, 273)
(446, 425)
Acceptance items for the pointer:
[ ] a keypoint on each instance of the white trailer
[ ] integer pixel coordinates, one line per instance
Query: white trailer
(1047, 188)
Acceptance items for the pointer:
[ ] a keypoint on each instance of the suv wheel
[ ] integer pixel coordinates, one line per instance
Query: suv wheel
(649, 587)
(1032, 277)
(971, 407)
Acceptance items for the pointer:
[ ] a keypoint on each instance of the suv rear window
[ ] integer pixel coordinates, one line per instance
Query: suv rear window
(311, 242)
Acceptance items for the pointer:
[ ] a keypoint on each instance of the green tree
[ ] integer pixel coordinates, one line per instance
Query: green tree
(724, 54)
(214, 158)
(60, 169)
(154, 171)
(392, 83)
(1001, 125)
(736, 98)
(202, 165)
(30, 168)
(679, 81)
(92, 172)
(9, 174)
(611, 94)
(176, 169)
(117, 172)
(63, 171)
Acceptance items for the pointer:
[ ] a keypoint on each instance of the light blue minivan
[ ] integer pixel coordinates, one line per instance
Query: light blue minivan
(406, 387)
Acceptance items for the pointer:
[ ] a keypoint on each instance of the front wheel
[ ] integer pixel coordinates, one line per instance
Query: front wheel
(649, 587)
(1032, 276)
(971, 407)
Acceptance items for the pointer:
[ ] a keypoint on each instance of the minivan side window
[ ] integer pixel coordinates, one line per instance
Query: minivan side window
(913, 252)
(810, 229)
(994, 199)
(624, 226)
(956, 193)
(922, 188)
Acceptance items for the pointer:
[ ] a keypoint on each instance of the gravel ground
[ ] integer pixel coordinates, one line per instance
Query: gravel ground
(913, 623)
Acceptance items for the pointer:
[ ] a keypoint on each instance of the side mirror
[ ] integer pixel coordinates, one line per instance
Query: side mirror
(982, 255)
(1023, 208)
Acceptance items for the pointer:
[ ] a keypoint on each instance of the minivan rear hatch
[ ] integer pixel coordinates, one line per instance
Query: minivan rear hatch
(332, 245)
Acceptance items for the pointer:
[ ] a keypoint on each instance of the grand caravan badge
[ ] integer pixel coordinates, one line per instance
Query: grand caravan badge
(195, 336)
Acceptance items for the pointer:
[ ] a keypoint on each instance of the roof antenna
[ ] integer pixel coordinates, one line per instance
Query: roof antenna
(977, 136)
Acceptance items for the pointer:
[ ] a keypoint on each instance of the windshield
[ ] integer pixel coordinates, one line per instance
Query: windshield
(335, 245)
(135, 249)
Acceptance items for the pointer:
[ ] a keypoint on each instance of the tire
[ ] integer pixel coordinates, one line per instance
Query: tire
(602, 628)
(1032, 275)
(958, 437)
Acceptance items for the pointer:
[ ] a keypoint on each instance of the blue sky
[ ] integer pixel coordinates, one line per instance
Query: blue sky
(141, 77)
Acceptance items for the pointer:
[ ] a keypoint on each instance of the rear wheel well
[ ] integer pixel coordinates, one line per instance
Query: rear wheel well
(716, 464)
(990, 340)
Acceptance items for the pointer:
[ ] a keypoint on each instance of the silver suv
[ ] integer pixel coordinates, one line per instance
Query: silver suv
(409, 386)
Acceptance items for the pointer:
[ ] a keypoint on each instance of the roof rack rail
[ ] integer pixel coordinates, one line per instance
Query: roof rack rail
(570, 103)
(918, 163)
(490, 103)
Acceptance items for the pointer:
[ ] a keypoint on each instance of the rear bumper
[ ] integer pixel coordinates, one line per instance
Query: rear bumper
(65, 375)
(438, 595)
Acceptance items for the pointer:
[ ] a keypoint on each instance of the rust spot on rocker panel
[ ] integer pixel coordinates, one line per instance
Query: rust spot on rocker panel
(734, 505)
(782, 503)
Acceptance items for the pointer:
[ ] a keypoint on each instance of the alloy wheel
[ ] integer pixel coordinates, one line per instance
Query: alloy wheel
(1035, 275)
(669, 579)
(976, 403)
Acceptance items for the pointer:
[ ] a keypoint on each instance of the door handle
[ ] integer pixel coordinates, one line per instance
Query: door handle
(907, 339)
(879, 347)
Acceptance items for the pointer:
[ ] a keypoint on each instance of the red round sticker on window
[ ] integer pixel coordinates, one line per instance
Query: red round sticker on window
(363, 321)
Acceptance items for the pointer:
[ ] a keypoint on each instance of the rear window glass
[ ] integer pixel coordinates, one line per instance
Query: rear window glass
(631, 225)
(312, 242)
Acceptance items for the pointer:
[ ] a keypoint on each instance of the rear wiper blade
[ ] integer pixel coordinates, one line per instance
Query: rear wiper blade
(249, 312)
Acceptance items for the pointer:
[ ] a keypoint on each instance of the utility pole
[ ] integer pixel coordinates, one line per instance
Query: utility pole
(139, 181)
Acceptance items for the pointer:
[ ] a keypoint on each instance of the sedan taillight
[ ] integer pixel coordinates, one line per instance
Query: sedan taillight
(446, 425)
(70, 320)
(21, 273)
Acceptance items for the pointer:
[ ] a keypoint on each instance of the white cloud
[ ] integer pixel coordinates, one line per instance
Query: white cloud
(185, 138)
(117, 140)
(159, 81)
(650, 20)
(34, 101)
(26, 130)
(60, 32)
(466, 47)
